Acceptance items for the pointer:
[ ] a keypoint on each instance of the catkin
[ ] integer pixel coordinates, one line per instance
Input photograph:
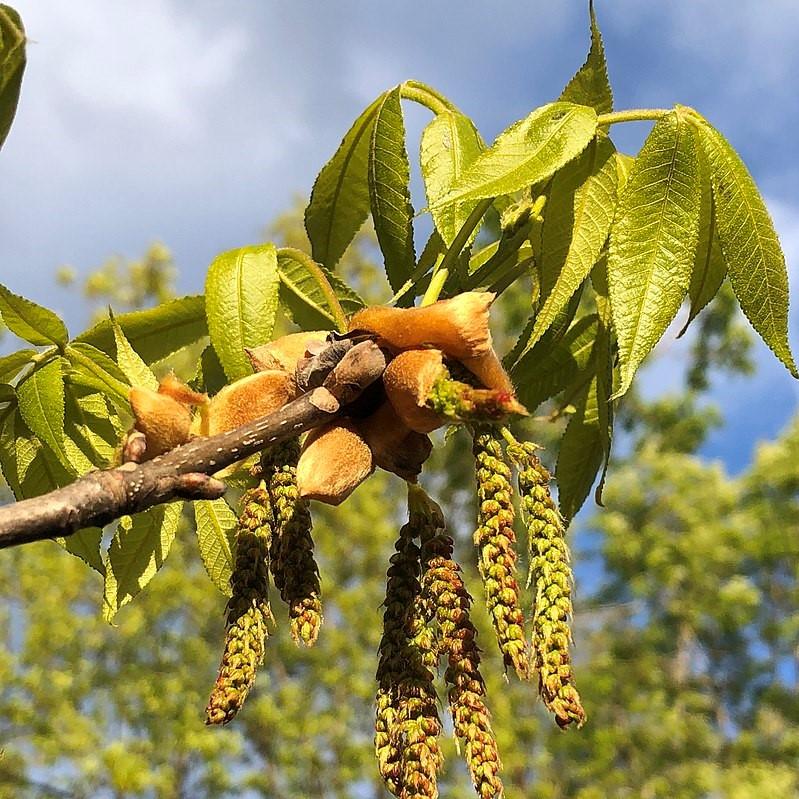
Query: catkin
(293, 565)
(442, 586)
(552, 578)
(496, 544)
(248, 612)
(407, 725)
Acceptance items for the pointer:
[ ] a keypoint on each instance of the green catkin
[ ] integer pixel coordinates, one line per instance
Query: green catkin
(407, 725)
(496, 544)
(442, 586)
(248, 612)
(293, 565)
(552, 577)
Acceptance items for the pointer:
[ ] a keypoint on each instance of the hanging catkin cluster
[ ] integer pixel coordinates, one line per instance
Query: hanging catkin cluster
(293, 565)
(551, 576)
(248, 612)
(407, 725)
(495, 540)
(443, 589)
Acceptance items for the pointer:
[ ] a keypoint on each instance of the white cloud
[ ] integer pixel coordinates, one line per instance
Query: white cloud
(145, 58)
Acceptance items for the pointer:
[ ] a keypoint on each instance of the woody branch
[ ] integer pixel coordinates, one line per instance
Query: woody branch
(185, 472)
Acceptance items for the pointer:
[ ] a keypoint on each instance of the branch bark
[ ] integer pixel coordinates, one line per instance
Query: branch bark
(185, 472)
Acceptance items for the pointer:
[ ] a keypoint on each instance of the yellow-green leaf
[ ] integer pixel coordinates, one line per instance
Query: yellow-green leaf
(316, 298)
(41, 403)
(139, 548)
(241, 302)
(450, 143)
(339, 201)
(653, 240)
(11, 364)
(590, 84)
(12, 66)
(216, 538)
(130, 362)
(578, 215)
(389, 178)
(94, 369)
(527, 152)
(755, 261)
(30, 321)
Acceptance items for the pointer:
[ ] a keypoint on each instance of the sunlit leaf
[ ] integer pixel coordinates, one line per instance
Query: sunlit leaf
(130, 362)
(241, 302)
(579, 212)
(755, 261)
(527, 152)
(316, 298)
(94, 369)
(41, 403)
(216, 538)
(10, 365)
(450, 143)
(30, 321)
(653, 240)
(155, 333)
(139, 548)
(389, 178)
(339, 201)
(590, 84)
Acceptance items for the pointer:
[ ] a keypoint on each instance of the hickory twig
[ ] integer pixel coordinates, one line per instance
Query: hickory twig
(185, 472)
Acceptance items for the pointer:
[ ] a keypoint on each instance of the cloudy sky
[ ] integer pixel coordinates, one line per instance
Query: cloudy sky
(196, 122)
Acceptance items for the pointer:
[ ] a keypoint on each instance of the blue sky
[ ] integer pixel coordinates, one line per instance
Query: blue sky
(197, 122)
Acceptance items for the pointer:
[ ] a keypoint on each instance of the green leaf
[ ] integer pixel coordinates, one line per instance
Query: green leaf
(578, 216)
(41, 403)
(583, 446)
(553, 364)
(755, 261)
(339, 201)
(653, 241)
(241, 302)
(624, 165)
(12, 66)
(129, 361)
(211, 377)
(216, 537)
(450, 143)
(155, 333)
(7, 393)
(527, 152)
(710, 268)
(139, 548)
(389, 178)
(94, 369)
(90, 427)
(10, 365)
(32, 469)
(590, 84)
(30, 321)
(316, 298)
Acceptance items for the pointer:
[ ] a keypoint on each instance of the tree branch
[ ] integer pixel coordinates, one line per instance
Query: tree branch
(102, 496)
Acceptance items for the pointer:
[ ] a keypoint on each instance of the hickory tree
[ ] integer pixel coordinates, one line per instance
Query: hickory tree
(298, 390)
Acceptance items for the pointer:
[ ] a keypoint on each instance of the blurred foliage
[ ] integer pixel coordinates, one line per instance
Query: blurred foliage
(686, 630)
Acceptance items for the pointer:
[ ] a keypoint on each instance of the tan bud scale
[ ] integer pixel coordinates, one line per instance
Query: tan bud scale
(335, 460)
(283, 353)
(164, 421)
(458, 326)
(408, 380)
